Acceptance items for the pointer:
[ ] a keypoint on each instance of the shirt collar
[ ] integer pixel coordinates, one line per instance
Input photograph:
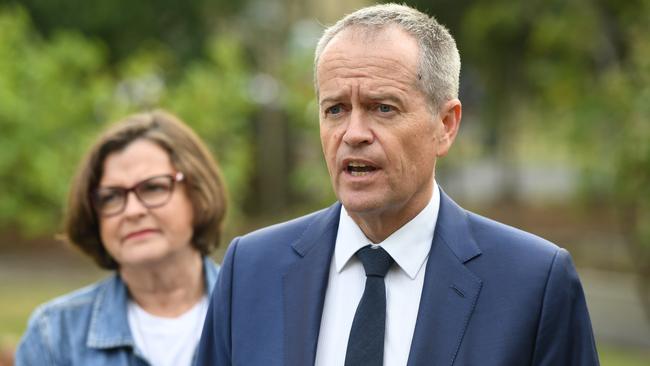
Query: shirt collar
(409, 245)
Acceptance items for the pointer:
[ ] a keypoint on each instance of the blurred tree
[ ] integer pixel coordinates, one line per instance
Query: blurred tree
(213, 96)
(249, 119)
(607, 108)
(580, 67)
(44, 118)
(281, 45)
(309, 180)
(174, 34)
(587, 70)
(126, 26)
(56, 94)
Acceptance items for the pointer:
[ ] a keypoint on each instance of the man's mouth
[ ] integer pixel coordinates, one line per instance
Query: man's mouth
(357, 169)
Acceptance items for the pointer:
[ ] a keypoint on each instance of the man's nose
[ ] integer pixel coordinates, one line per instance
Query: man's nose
(358, 129)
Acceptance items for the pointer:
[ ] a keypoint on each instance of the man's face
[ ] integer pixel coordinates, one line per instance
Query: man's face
(379, 136)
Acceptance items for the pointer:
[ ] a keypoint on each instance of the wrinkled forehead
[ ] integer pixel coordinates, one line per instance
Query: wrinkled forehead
(360, 39)
(387, 52)
(366, 33)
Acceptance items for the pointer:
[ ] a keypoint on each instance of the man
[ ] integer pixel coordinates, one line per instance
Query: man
(445, 286)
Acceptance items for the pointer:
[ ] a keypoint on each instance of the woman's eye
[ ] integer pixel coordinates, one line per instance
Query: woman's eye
(108, 197)
(154, 187)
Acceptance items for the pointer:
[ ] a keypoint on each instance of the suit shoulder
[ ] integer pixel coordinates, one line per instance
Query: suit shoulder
(511, 258)
(283, 233)
(494, 235)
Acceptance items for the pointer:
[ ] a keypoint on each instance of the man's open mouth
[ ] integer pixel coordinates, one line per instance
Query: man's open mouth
(359, 169)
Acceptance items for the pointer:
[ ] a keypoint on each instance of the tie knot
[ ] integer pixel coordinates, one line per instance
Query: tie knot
(376, 261)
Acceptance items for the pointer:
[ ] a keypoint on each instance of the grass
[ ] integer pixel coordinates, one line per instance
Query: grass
(18, 300)
(622, 356)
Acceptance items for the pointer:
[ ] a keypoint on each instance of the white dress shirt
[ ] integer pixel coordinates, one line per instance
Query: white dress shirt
(409, 246)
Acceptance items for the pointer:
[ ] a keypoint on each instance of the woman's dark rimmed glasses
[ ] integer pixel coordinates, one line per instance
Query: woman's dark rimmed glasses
(152, 192)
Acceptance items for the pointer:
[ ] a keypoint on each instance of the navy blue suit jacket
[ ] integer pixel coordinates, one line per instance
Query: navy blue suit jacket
(492, 295)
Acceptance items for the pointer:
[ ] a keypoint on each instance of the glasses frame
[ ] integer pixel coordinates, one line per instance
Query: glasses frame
(175, 178)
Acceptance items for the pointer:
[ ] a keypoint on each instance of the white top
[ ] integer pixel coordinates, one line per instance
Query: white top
(409, 246)
(167, 341)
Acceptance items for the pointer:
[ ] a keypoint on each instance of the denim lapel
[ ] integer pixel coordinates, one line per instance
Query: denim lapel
(211, 272)
(109, 327)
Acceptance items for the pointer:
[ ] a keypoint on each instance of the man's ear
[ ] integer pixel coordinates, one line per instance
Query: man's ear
(449, 116)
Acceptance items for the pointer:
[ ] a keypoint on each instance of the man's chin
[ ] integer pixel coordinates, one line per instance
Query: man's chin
(360, 204)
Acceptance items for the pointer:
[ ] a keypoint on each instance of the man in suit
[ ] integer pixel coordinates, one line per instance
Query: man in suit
(395, 273)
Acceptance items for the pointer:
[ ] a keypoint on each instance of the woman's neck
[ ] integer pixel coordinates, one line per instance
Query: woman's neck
(166, 289)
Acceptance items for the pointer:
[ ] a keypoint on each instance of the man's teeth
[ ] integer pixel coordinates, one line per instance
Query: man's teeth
(357, 174)
(358, 169)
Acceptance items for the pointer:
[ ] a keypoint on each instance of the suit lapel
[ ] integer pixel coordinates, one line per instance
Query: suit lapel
(450, 290)
(304, 288)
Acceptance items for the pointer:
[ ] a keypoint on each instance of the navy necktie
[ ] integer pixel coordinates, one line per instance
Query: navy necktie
(366, 342)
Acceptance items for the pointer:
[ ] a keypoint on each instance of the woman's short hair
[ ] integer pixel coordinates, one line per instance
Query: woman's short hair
(204, 185)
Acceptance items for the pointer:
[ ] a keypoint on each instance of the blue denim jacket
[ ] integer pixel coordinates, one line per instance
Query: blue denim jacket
(88, 327)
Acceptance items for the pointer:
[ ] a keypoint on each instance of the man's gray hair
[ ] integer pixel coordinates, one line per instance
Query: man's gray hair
(439, 62)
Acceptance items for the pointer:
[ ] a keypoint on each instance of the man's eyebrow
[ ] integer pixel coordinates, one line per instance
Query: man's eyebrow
(372, 96)
(385, 97)
(331, 98)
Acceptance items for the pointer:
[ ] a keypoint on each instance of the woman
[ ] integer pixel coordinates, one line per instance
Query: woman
(147, 202)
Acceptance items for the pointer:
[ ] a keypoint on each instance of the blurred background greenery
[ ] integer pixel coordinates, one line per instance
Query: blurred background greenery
(555, 136)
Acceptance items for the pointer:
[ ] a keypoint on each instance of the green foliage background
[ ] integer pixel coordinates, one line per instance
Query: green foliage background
(573, 74)
(56, 94)
(63, 79)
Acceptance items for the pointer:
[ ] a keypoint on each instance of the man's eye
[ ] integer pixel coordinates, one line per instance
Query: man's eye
(336, 109)
(385, 108)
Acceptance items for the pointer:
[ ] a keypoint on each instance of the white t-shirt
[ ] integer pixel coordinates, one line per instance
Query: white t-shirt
(167, 341)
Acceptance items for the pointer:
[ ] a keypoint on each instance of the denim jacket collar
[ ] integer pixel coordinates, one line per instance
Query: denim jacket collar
(109, 325)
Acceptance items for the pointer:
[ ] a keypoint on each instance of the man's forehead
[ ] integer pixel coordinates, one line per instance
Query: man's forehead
(356, 44)
(368, 38)
(372, 67)
(370, 33)
(389, 53)
(370, 85)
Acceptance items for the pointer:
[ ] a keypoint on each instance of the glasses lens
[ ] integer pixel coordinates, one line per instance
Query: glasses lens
(109, 201)
(155, 191)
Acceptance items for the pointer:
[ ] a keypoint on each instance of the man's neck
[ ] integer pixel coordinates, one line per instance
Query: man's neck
(377, 226)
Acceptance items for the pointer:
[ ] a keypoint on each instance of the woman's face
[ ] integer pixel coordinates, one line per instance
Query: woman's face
(140, 236)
